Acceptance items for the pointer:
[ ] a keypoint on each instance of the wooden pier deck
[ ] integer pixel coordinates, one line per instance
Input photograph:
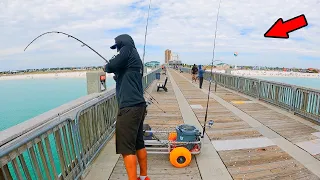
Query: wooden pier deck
(289, 126)
(253, 140)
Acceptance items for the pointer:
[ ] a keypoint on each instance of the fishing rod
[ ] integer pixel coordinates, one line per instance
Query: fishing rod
(213, 53)
(144, 52)
(59, 32)
(145, 35)
(149, 102)
(152, 97)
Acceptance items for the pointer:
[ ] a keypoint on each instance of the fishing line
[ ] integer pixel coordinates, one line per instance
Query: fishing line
(59, 32)
(211, 74)
(144, 52)
(152, 97)
(157, 106)
(145, 34)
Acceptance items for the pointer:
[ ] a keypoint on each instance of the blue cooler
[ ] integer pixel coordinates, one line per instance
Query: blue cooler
(157, 75)
(187, 133)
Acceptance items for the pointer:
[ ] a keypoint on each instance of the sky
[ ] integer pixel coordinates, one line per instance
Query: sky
(185, 26)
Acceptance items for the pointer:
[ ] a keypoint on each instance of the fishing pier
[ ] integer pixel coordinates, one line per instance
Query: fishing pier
(260, 130)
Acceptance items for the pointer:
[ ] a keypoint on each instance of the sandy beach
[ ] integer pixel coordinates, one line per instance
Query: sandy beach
(56, 75)
(261, 73)
(49, 75)
(254, 73)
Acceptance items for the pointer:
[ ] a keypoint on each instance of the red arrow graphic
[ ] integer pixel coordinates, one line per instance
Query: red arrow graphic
(281, 29)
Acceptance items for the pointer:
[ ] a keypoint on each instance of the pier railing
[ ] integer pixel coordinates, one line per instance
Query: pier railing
(300, 100)
(60, 144)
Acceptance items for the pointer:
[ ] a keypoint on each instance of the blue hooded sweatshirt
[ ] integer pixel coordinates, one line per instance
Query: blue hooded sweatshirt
(201, 71)
(128, 69)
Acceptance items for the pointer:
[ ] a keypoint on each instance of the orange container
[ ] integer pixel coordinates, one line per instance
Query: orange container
(172, 136)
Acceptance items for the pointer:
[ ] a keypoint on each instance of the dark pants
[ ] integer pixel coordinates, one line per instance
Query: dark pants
(129, 130)
(200, 82)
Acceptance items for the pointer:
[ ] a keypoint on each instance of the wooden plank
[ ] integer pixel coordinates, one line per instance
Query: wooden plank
(159, 167)
(35, 163)
(16, 168)
(260, 163)
(5, 173)
(24, 166)
(49, 151)
(232, 134)
(44, 160)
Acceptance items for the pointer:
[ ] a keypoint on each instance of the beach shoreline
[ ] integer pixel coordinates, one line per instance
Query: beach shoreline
(261, 73)
(82, 74)
(53, 75)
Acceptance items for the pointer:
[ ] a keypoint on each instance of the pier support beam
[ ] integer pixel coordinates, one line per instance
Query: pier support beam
(96, 82)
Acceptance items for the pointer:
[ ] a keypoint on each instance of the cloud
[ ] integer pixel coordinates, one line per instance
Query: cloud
(186, 27)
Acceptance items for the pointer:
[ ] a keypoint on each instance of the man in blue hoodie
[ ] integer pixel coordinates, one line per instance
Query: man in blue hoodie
(128, 69)
(200, 75)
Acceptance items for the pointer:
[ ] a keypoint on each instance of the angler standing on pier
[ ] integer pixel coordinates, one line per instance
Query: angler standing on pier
(128, 69)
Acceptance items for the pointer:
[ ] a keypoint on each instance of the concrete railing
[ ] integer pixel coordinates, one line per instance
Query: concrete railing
(61, 143)
(300, 100)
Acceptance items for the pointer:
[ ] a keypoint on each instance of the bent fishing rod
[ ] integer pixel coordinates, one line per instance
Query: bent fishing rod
(211, 74)
(85, 44)
(59, 32)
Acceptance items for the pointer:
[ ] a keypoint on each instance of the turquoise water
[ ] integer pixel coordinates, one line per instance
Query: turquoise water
(24, 99)
(304, 82)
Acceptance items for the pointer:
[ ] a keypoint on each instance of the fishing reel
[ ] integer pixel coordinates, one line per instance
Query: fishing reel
(210, 124)
(149, 102)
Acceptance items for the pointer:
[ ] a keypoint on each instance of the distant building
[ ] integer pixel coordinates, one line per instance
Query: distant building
(175, 63)
(152, 64)
(222, 66)
(167, 56)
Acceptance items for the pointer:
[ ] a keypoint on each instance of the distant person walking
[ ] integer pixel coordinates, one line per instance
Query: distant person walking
(200, 75)
(194, 71)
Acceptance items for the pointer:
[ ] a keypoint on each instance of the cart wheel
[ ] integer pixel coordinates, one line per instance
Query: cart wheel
(180, 157)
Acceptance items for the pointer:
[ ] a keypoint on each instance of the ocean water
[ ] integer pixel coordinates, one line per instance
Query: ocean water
(313, 83)
(21, 100)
